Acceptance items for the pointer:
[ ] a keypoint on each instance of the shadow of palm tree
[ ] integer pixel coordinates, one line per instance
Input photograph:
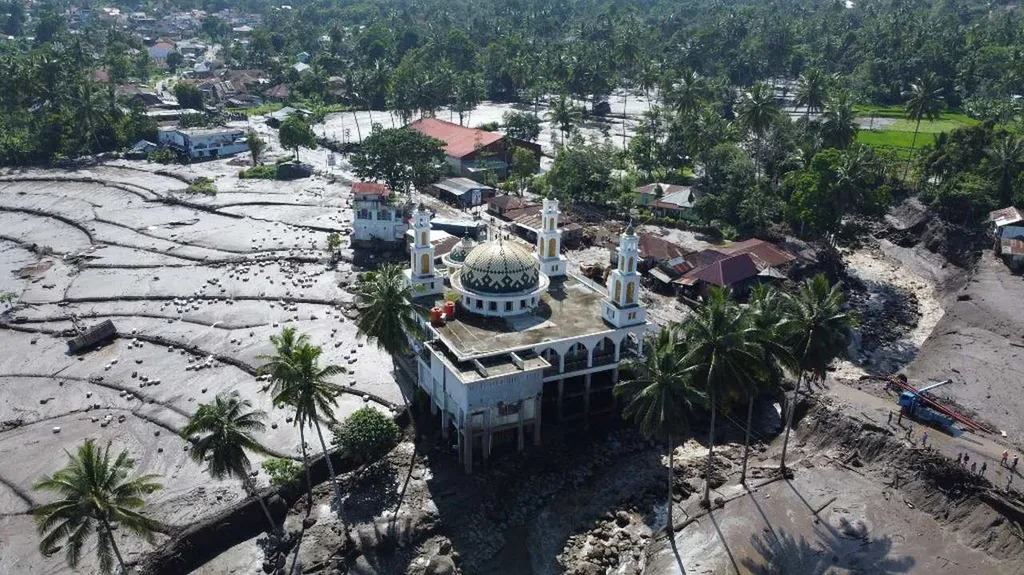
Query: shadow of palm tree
(847, 548)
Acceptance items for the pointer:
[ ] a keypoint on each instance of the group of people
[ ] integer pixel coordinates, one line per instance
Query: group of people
(963, 458)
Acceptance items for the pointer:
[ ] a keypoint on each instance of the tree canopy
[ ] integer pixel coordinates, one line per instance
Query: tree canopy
(399, 157)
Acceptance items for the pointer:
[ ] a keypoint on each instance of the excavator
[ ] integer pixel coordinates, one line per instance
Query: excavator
(929, 411)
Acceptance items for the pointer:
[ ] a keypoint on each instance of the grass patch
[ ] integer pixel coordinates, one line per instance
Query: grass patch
(261, 110)
(894, 139)
(202, 186)
(899, 133)
(261, 172)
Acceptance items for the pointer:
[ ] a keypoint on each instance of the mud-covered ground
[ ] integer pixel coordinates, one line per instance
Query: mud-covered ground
(195, 291)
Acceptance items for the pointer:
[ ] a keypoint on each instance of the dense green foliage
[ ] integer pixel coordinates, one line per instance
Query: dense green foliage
(400, 158)
(202, 186)
(367, 434)
(282, 471)
(296, 133)
(96, 497)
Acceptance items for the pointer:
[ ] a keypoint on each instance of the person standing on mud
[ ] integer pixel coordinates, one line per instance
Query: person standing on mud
(1015, 458)
(984, 466)
(1005, 455)
(974, 468)
(959, 458)
(924, 440)
(966, 459)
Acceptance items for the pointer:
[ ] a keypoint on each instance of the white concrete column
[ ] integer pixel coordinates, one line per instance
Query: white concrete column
(618, 346)
(537, 405)
(467, 440)
(522, 408)
(586, 400)
(487, 435)
(561, 398)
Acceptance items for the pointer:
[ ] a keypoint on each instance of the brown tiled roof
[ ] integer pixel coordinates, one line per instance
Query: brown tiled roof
(652, 246)
(459, 141)
(370, 189)
(279, 91)
(765, 253)
(445, 245)
(506, 202)
(724, 272)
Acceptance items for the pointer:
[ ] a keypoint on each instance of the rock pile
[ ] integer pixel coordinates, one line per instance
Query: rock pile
(616, 541)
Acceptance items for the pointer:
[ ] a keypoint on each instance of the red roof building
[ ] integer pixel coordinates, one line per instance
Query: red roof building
(765, 254)
(725, 272)
(459, 141)
(366, 189)
(470, 152)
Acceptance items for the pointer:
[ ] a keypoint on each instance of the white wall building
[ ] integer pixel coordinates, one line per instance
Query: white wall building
(374, 219)
(523, 346)
(204, 142)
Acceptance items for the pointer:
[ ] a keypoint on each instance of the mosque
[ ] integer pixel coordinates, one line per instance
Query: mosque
(513, 339)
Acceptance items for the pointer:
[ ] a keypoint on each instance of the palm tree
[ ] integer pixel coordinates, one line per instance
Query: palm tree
(276, 366)
(96, 495)
(565, 114)
(810, 90)
(817, 330)
(766, 305)
(724, 356)
(757, 112)
(225, 429)
(838, 126)
(660, 395)
(387, 313)
(688, 94)
(306, 388)
(924, 101)
(1004, 162)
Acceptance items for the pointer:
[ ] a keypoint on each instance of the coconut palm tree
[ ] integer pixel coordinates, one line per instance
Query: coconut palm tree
(811, 87)
(223, 434)
(816, 330)
(1004, 163)
(387, 314)
(838, 125)
(924, 101)
(766, 306)
(96, 495)
(757, 111)
(723, 355)
(565, 115)
(688, 94)
(276, 367)
(306, 388)
(660, 395)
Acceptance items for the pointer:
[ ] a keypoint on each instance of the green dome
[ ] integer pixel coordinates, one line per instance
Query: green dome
(461, 251)
(498, 267)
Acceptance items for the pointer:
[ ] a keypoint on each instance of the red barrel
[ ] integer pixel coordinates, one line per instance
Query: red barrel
(435, 315)
(449, 309)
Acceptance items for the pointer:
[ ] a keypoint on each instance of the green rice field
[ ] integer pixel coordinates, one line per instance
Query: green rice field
(891, 128)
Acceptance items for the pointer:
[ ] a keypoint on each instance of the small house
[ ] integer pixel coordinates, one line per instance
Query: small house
(204, 143)
(500, 205)
(470, 152)
(462, 192)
